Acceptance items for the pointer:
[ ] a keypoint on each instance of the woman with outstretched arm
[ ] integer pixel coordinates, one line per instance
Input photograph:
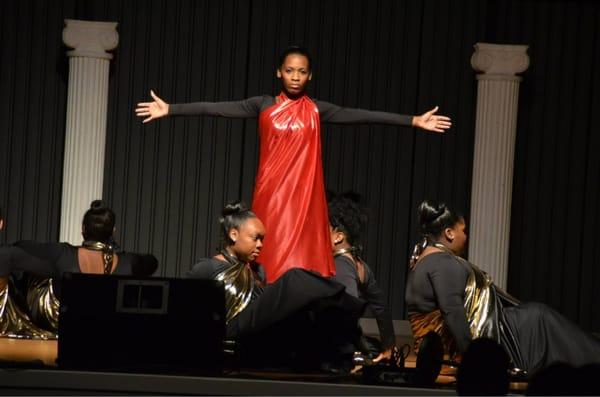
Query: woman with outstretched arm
(289, 192)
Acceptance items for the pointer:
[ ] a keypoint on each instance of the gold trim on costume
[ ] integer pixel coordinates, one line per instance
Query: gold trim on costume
(343, 251)
(423, 323)
(14, 323)
(42, 303)
(483, 304)
(239, 285)
(480, 309)
(107, 253)
(480, 301)
(358, 263)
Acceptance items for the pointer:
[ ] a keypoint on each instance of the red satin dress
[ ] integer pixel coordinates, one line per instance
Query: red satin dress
(289, 193)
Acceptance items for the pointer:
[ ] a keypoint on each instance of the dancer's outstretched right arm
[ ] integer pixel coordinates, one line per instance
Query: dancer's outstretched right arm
(247, 108)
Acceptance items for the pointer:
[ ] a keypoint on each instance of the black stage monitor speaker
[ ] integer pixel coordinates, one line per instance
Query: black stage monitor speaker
(152, 325)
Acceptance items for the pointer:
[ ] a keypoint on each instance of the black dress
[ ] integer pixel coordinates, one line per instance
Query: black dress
(302, 319)
(369, 291)
(52, 260)
(31, 299)
(542, 335)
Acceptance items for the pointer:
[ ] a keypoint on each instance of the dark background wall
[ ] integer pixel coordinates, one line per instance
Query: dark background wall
(168, 180)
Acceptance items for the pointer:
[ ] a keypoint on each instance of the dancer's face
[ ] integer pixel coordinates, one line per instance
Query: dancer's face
(456, 237)
(248, 239)
(294, 74)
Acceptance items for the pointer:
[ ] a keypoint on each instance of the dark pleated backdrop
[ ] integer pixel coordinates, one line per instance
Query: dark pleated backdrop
(168, 180)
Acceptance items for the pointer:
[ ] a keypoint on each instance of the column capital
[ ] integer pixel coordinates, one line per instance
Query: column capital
(499, 61)
(90, 39)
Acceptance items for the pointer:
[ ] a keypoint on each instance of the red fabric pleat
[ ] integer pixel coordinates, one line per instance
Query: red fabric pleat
(289, 193)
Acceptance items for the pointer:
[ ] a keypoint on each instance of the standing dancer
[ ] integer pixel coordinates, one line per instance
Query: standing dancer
(289, 192)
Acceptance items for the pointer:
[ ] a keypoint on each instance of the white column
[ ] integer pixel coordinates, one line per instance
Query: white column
(83, 169)
(495, 132)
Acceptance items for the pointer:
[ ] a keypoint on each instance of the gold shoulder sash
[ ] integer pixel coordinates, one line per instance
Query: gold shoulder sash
(238, 279)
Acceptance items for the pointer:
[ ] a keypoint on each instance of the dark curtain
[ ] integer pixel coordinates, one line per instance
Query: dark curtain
(556, 196)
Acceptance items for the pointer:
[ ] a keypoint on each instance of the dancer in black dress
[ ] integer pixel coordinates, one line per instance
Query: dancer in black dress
(454, 298)
(43, 265)
(347, 219)
(302, 317)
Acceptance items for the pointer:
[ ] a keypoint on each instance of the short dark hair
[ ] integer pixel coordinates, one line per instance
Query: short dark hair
(98, 222)
(295, 50)
(233, 216)
(347, 215)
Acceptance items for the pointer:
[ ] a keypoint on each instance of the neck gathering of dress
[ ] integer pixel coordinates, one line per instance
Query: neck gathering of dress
(289, 192)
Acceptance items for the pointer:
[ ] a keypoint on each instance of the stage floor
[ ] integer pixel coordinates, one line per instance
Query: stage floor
(38, 382)
(28, 368)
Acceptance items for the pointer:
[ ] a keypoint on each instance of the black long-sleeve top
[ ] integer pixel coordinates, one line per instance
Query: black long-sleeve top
(438, 282)
(369, 290)
(52, 260)
(251, 108)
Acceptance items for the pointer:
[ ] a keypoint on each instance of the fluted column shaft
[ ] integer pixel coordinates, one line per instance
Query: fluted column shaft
(493, 159)
(85, 138)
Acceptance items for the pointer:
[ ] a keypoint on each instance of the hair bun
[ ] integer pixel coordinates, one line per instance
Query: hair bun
(98, 206)
(232, 217)
(429, 213)
(234, 208)
(441, 208)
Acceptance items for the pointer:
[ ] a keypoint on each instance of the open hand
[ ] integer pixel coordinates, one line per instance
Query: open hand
(432, 122)
(152, 110)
